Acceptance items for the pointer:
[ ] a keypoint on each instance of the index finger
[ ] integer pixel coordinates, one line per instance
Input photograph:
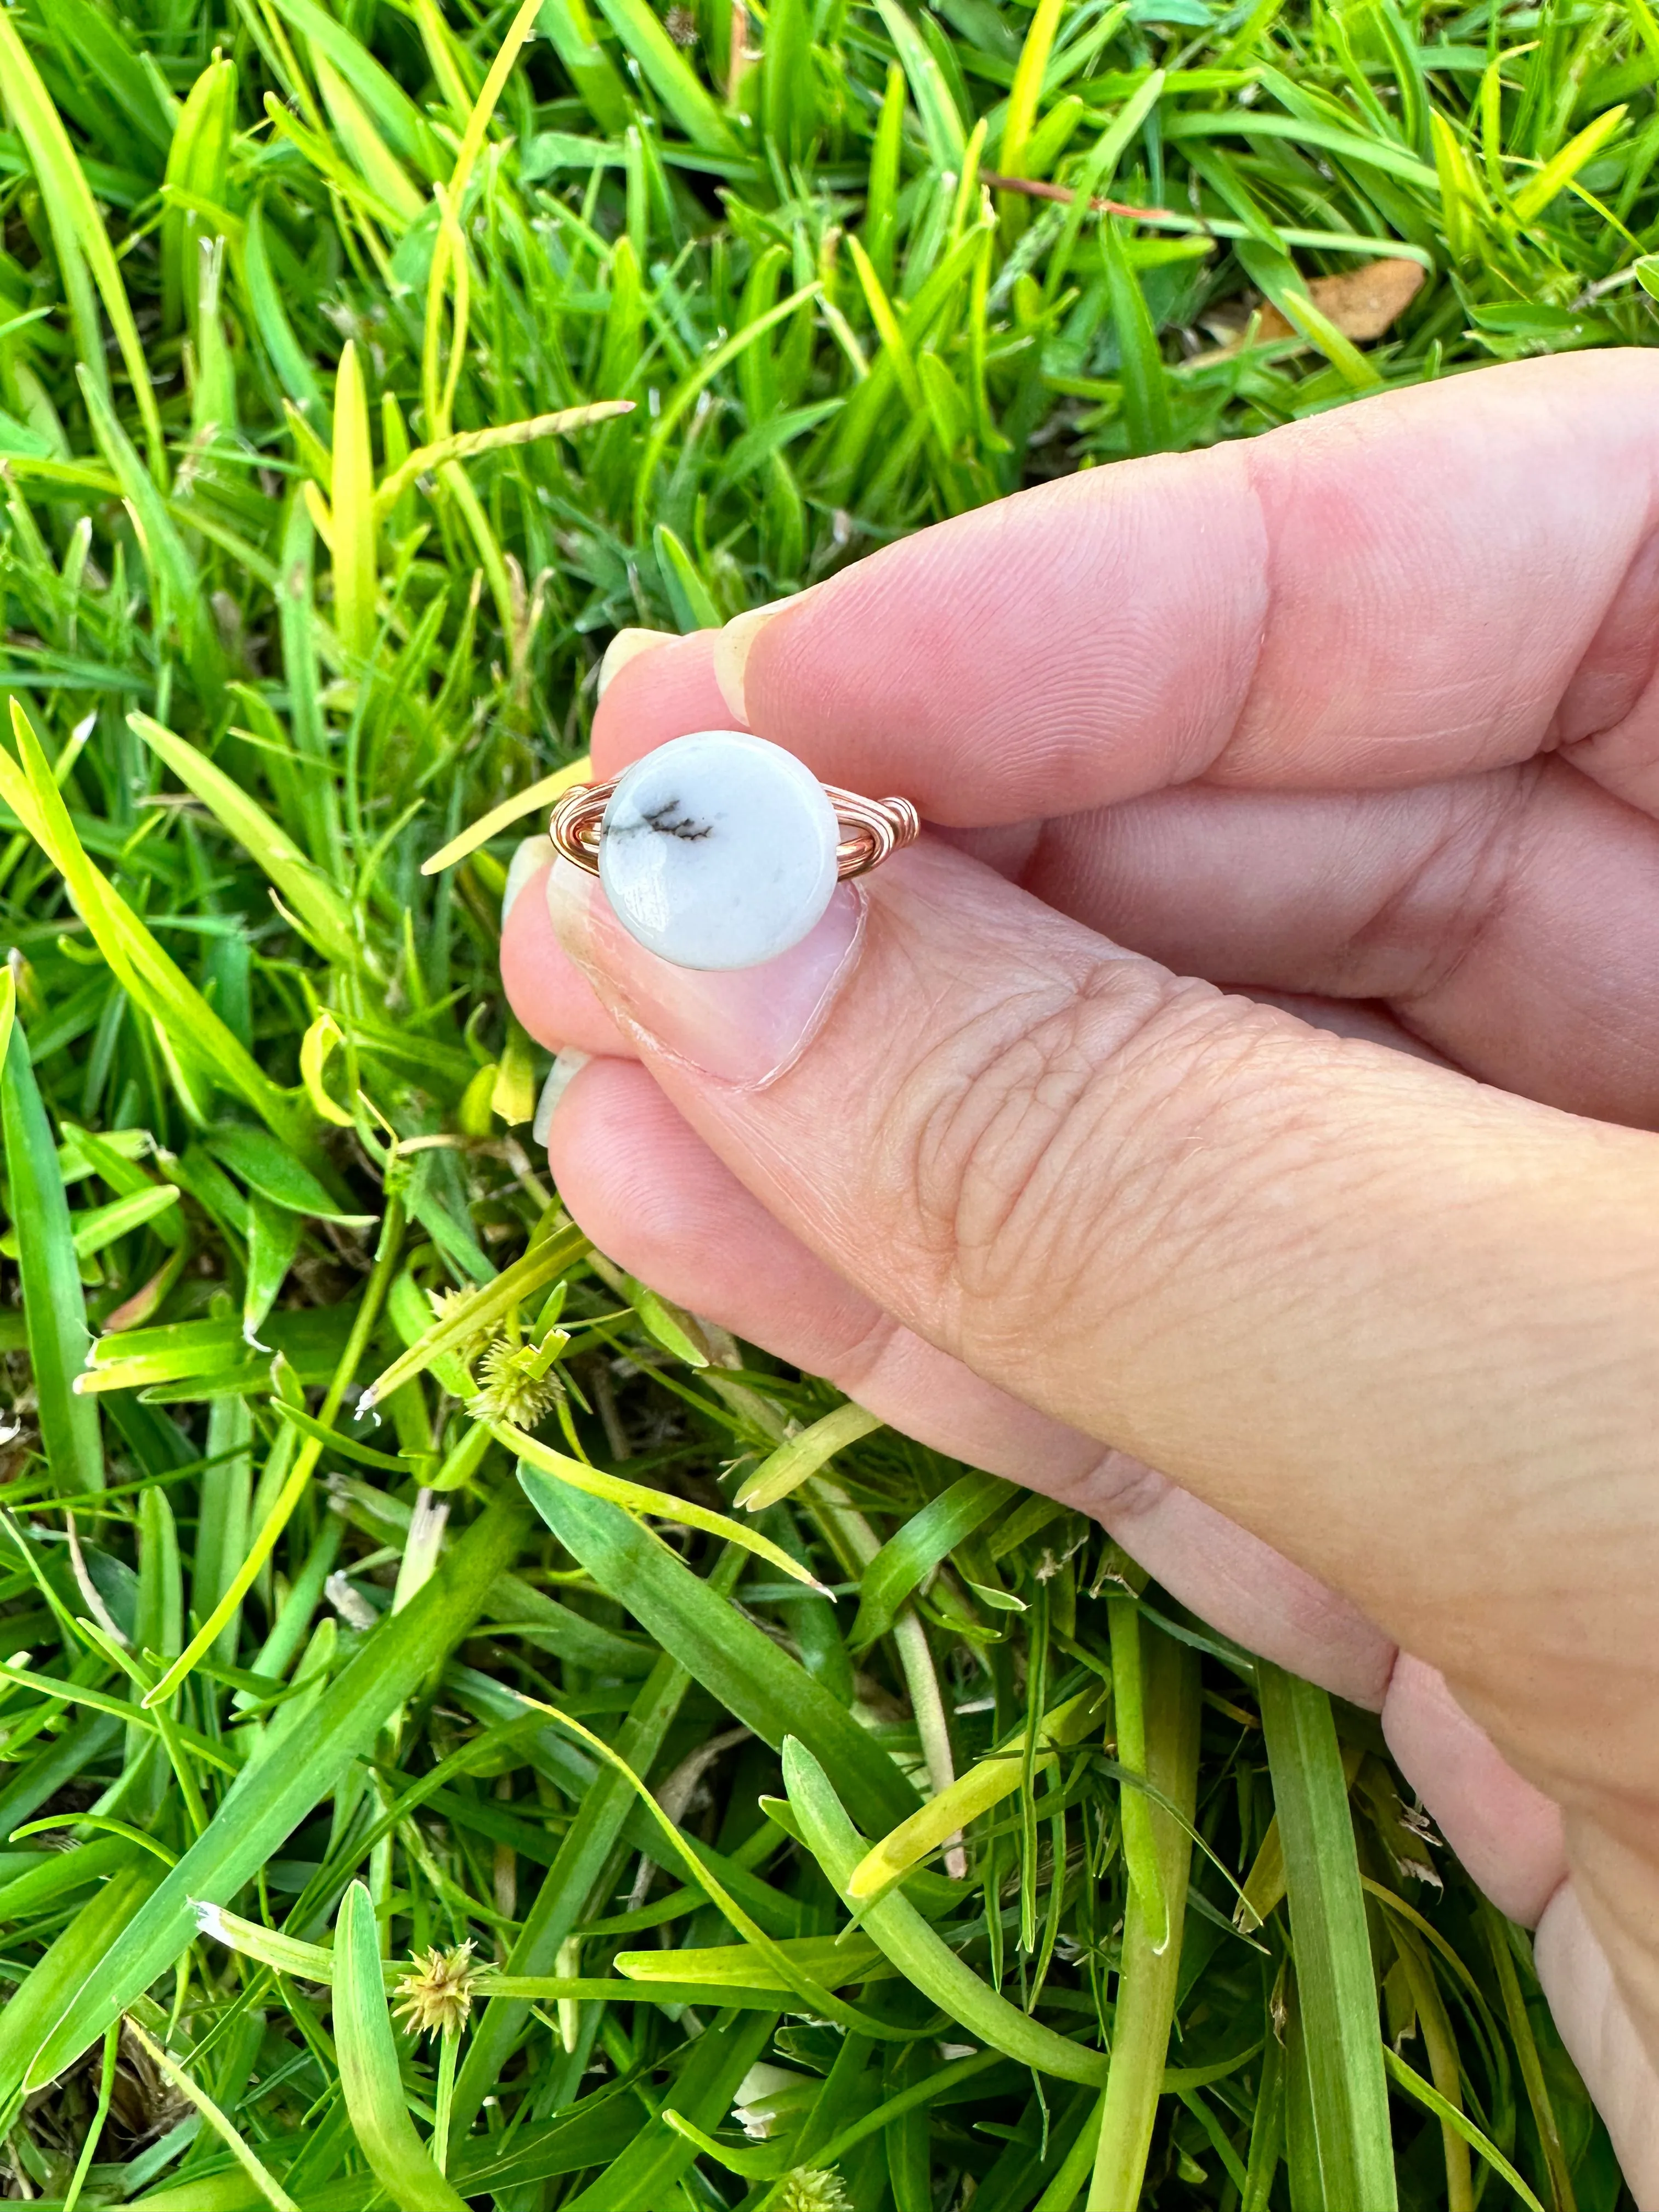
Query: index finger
(1414, 586)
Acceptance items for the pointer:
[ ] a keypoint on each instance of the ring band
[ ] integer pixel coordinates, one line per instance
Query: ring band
(871, 827)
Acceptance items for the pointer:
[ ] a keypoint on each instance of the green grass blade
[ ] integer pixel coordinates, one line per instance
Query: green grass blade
(29, 2017)
(789, 102)
(570, 28)
(768, 1691)
(664, 70)
(1532, 2071)
(1142, 1853)
(799, 1457)
(99, 2114)
(1151, 1967)
(1147, 414)
(1346, 2085)
(198, 165)
(355, 127)
(287, 357)
(539, 1466)
(263, 2181)
(1452, 2116)
(1536, 194)
(54, 1304)
(688, 594)
(926, 1540)
(1072, 2176)
(78, 232)
(645, 2175)
(152, 977)
(394, 112)
(921, 1955)
(263, 1807)
(941, 119)
(318, 904)
(369, 2073)
(586, 1846)
(691, 387)
(174, 578)
(1279, 280)
(259, 1161)
(352, 508)
(985, 1784)
(1347, 145)
(1095, 179)
(1026, 91)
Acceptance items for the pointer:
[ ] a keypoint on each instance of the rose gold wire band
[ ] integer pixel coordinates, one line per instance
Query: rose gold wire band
(871, 827)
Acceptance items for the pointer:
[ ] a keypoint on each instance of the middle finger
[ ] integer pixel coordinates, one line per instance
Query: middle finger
(1509, 920)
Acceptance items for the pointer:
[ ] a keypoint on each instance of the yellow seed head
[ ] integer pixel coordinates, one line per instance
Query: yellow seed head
(814, 2188)
(436, 1993)
(510, 1391)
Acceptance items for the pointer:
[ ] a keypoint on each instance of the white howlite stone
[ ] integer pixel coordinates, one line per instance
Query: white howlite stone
(718, 850)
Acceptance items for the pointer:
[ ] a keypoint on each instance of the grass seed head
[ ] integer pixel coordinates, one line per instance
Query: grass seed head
(511, 1390)
(814, 2188)
(435, 1995)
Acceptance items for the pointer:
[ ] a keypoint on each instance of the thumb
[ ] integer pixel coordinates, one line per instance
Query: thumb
(1379, 1314)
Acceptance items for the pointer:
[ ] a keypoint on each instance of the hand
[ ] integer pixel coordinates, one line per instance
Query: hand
(1358, 721)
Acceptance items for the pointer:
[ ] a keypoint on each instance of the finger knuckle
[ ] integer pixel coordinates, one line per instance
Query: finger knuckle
(1038, 1163)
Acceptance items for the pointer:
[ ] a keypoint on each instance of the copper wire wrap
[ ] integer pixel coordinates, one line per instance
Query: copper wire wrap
(870, 829)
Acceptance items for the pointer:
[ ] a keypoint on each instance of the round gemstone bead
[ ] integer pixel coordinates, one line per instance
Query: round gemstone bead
(718, 850)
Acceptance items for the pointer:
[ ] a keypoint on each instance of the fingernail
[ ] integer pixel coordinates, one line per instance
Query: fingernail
(746, 1026)
(567, 1064)
(628, 644)
(534, 853)
(732, 647)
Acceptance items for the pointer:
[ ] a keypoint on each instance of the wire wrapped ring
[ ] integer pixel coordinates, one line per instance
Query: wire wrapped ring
(871, 827)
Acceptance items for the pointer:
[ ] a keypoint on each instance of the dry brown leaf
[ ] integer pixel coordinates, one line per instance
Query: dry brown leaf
(1362, 302)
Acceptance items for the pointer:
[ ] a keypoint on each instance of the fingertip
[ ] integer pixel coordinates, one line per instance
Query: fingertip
(531, 857)
(1507, 1834)
(568, 1064)
(550, 996)
(655, 695)
(646, 1187)
(1601, 2035)
(732, 646)
(628, 644)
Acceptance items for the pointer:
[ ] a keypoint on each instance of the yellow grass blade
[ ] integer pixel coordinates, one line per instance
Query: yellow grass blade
(510, 811)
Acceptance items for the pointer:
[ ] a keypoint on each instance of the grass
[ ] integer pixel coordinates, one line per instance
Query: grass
(314, 525)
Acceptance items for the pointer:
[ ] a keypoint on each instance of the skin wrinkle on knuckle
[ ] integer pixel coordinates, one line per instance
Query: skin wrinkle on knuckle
(852, 1366)
(1016, 1079)
(1474, 708)
(1114, 1485)
(1116, 545)
(1234, 727)
(1291, 475)
(1050, 1119)
(1616, 674)
(1456, 892)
